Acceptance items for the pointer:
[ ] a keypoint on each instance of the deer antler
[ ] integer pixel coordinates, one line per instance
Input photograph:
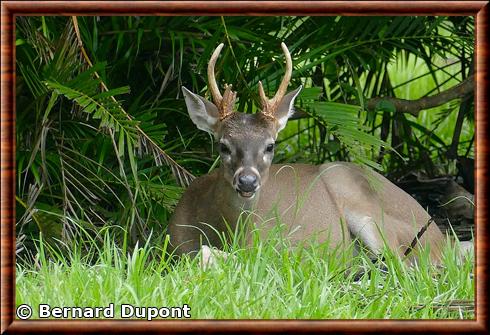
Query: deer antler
(269, 106)
(224, 103)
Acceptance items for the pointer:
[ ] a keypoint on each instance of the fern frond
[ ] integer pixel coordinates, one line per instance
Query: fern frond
(182, 176)
(98, 105)
(84, 90)
(343, 121)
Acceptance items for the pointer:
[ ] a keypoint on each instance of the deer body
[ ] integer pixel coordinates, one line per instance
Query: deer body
(336, 202)
(312, 207)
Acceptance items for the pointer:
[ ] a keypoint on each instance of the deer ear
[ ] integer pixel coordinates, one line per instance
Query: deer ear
(286, 108)
(203, 113)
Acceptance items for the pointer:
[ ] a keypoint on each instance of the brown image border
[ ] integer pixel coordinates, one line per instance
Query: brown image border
(11, 9)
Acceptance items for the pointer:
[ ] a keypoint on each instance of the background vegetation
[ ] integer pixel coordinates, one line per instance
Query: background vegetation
(104, 142)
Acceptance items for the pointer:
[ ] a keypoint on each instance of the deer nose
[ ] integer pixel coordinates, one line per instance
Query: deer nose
(247, 182)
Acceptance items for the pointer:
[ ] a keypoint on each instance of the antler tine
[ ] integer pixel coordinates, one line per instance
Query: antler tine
(270, 105)
(281, 91)
(263, 98)
(213, 86)
(228, 102)
(224, 102)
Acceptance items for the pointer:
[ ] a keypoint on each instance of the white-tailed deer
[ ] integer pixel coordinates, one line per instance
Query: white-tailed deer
(334, 202)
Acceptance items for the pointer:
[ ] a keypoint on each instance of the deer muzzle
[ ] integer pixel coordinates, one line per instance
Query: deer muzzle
(247, 182)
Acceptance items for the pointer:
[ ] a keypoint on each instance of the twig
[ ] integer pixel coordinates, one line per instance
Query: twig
(414, 107)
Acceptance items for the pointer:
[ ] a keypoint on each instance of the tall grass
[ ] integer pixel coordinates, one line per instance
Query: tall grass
(270, 279)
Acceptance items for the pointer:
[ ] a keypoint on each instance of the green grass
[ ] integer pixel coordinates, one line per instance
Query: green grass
(267, 280)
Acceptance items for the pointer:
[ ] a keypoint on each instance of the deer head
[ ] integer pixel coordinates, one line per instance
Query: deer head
(246, 141)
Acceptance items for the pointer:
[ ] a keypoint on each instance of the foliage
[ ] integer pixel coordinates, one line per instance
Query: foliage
(102, 129)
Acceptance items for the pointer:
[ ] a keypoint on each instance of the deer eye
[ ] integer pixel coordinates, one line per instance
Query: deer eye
(223, 148)
(269, 148)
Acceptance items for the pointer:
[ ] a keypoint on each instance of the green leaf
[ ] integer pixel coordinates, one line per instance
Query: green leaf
(311, 93)
(132, 161)
(333, 146)
(120, 147)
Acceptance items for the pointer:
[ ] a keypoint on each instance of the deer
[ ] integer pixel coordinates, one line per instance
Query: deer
(339, 202)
